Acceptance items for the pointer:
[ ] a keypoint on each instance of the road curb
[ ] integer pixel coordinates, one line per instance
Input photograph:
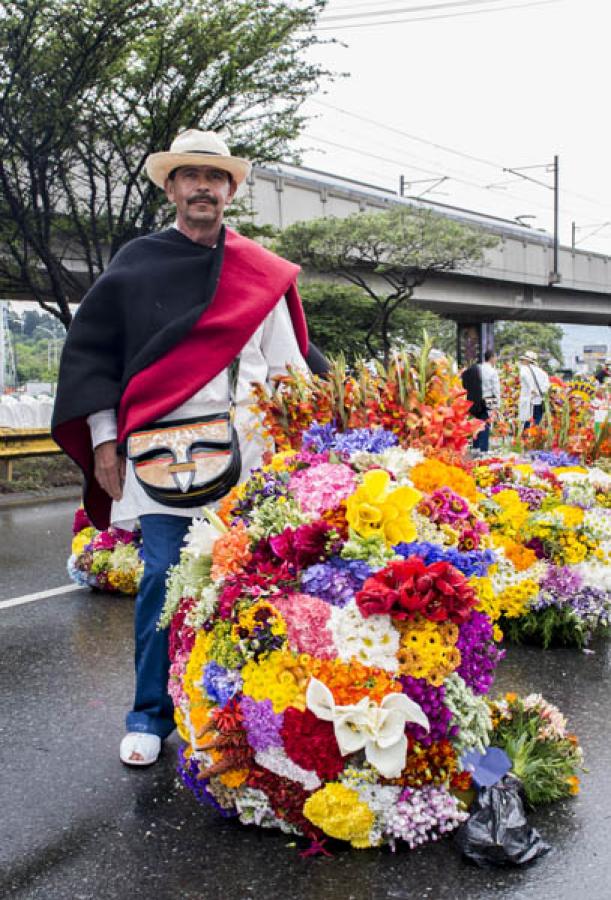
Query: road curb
(70, 492)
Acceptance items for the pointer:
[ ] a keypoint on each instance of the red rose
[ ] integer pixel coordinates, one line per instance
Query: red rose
(408, 588)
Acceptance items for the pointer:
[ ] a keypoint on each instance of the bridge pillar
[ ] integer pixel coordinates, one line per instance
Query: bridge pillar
(472, 341)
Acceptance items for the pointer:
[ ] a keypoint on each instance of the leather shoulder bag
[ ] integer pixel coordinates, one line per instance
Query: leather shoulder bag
(188, 462)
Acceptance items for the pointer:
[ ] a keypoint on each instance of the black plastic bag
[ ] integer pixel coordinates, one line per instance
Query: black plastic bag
(497, 832)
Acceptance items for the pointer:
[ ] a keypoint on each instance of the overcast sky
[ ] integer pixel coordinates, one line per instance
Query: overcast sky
(498, 86)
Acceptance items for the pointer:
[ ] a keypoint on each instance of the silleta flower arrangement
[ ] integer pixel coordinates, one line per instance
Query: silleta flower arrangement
(332, 643)
(550, 520)
(107, 560)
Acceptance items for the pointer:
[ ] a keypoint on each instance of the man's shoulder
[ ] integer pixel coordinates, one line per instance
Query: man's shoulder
(143, 244)
(256, 254)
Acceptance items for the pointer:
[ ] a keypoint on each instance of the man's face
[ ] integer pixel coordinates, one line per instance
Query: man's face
(201, 194)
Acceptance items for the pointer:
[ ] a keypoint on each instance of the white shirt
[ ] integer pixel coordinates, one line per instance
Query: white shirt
(491, 385)
(267, 353)
(534, 385)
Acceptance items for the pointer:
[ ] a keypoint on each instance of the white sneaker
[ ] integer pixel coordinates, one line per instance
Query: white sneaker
(139, 749)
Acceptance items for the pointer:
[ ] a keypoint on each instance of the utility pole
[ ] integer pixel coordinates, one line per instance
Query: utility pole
(555, 276)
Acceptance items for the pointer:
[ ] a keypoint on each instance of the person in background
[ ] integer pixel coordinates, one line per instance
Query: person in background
(534, 385)
(472, 382)
(491, 395)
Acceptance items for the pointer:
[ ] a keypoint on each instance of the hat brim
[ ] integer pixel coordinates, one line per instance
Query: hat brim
(159, 165)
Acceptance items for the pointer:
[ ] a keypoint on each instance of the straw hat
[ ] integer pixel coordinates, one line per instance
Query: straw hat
(529, 356)
(196, 148)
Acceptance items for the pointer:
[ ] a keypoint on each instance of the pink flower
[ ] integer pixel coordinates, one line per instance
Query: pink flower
(322, 487)
(303, 546)
(306, 620)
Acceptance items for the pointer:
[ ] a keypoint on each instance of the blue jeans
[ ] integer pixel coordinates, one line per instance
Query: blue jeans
(481, 441)
(153, 712)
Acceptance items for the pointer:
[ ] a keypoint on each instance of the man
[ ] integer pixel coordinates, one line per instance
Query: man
(479, 382)
(534, 385)
(153, 340)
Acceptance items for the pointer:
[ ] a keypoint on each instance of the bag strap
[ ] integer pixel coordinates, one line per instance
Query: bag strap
(537, 385)
(233, 373)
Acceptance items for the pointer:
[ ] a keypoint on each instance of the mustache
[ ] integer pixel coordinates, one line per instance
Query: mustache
(207, 197)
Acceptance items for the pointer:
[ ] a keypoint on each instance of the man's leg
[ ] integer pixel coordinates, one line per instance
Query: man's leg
(153, 712)
(484, 438)
(538, 413)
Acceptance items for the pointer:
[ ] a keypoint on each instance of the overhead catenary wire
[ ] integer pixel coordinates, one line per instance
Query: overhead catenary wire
(406, 9)
(454, 15)
(442, 147)
(401, 163)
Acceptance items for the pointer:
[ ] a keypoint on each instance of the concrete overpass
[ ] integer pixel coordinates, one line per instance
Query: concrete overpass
(513, 283)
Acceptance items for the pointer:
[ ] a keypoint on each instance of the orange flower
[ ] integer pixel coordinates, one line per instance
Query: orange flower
(573, 783)
(231, 552)
(432, 474)
(228, 503)
(350, 682)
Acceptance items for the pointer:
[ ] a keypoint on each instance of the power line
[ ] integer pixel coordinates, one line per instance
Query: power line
(436, 174)
(401, 164)
(406, 9)
(412, 137)
(473, 12)
(443, 147)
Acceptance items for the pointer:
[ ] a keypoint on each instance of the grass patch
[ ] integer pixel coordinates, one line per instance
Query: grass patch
(41, 473)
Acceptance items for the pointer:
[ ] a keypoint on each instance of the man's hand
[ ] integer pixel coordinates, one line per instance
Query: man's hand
(109, 469)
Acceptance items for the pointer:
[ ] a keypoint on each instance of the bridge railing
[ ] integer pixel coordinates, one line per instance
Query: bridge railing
(21, 443)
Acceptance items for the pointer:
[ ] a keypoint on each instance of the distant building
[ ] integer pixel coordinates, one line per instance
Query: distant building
(593, 356)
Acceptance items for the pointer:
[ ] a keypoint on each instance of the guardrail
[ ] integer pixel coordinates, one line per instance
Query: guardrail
(20, 443)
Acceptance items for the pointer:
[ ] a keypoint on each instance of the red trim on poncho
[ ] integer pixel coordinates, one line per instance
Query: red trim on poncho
(251, 283)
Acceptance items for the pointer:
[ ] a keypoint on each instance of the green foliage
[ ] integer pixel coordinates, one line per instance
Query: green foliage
(545, 762)
(550, 627)
(386, 256)
(340, 317)
(89, 88)
(513, 338)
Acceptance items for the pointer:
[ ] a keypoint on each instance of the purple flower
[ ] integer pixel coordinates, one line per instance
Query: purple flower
(318, 438)
(533, 497)
(335, 581)
(431, 699)
(369, 440)
(188, 770)
(261, 723)
(554, 458)
(471, 562)
(479, 654)
(220, 683)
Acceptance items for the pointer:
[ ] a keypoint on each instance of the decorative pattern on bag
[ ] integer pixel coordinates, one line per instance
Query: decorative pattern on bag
(186, 453)
(186, 462)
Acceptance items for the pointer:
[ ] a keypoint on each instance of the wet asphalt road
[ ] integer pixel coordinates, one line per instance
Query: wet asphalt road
(76, 824)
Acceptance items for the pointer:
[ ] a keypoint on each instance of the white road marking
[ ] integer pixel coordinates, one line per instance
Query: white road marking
(41, 595)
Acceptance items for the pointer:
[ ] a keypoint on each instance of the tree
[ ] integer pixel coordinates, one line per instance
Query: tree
(513, 338)
(89, 88)
(340, 315)
(386, 255)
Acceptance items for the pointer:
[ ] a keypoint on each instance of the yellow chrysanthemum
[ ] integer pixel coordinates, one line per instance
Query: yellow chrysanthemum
(281, 461)
(428, 649)
(279, 677)
(514, 599)
(377, 509)
(572, 515)
(340, 813)
(200, 655)
(80, 540)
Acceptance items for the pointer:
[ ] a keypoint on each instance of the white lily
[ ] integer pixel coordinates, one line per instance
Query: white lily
(379, 729)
